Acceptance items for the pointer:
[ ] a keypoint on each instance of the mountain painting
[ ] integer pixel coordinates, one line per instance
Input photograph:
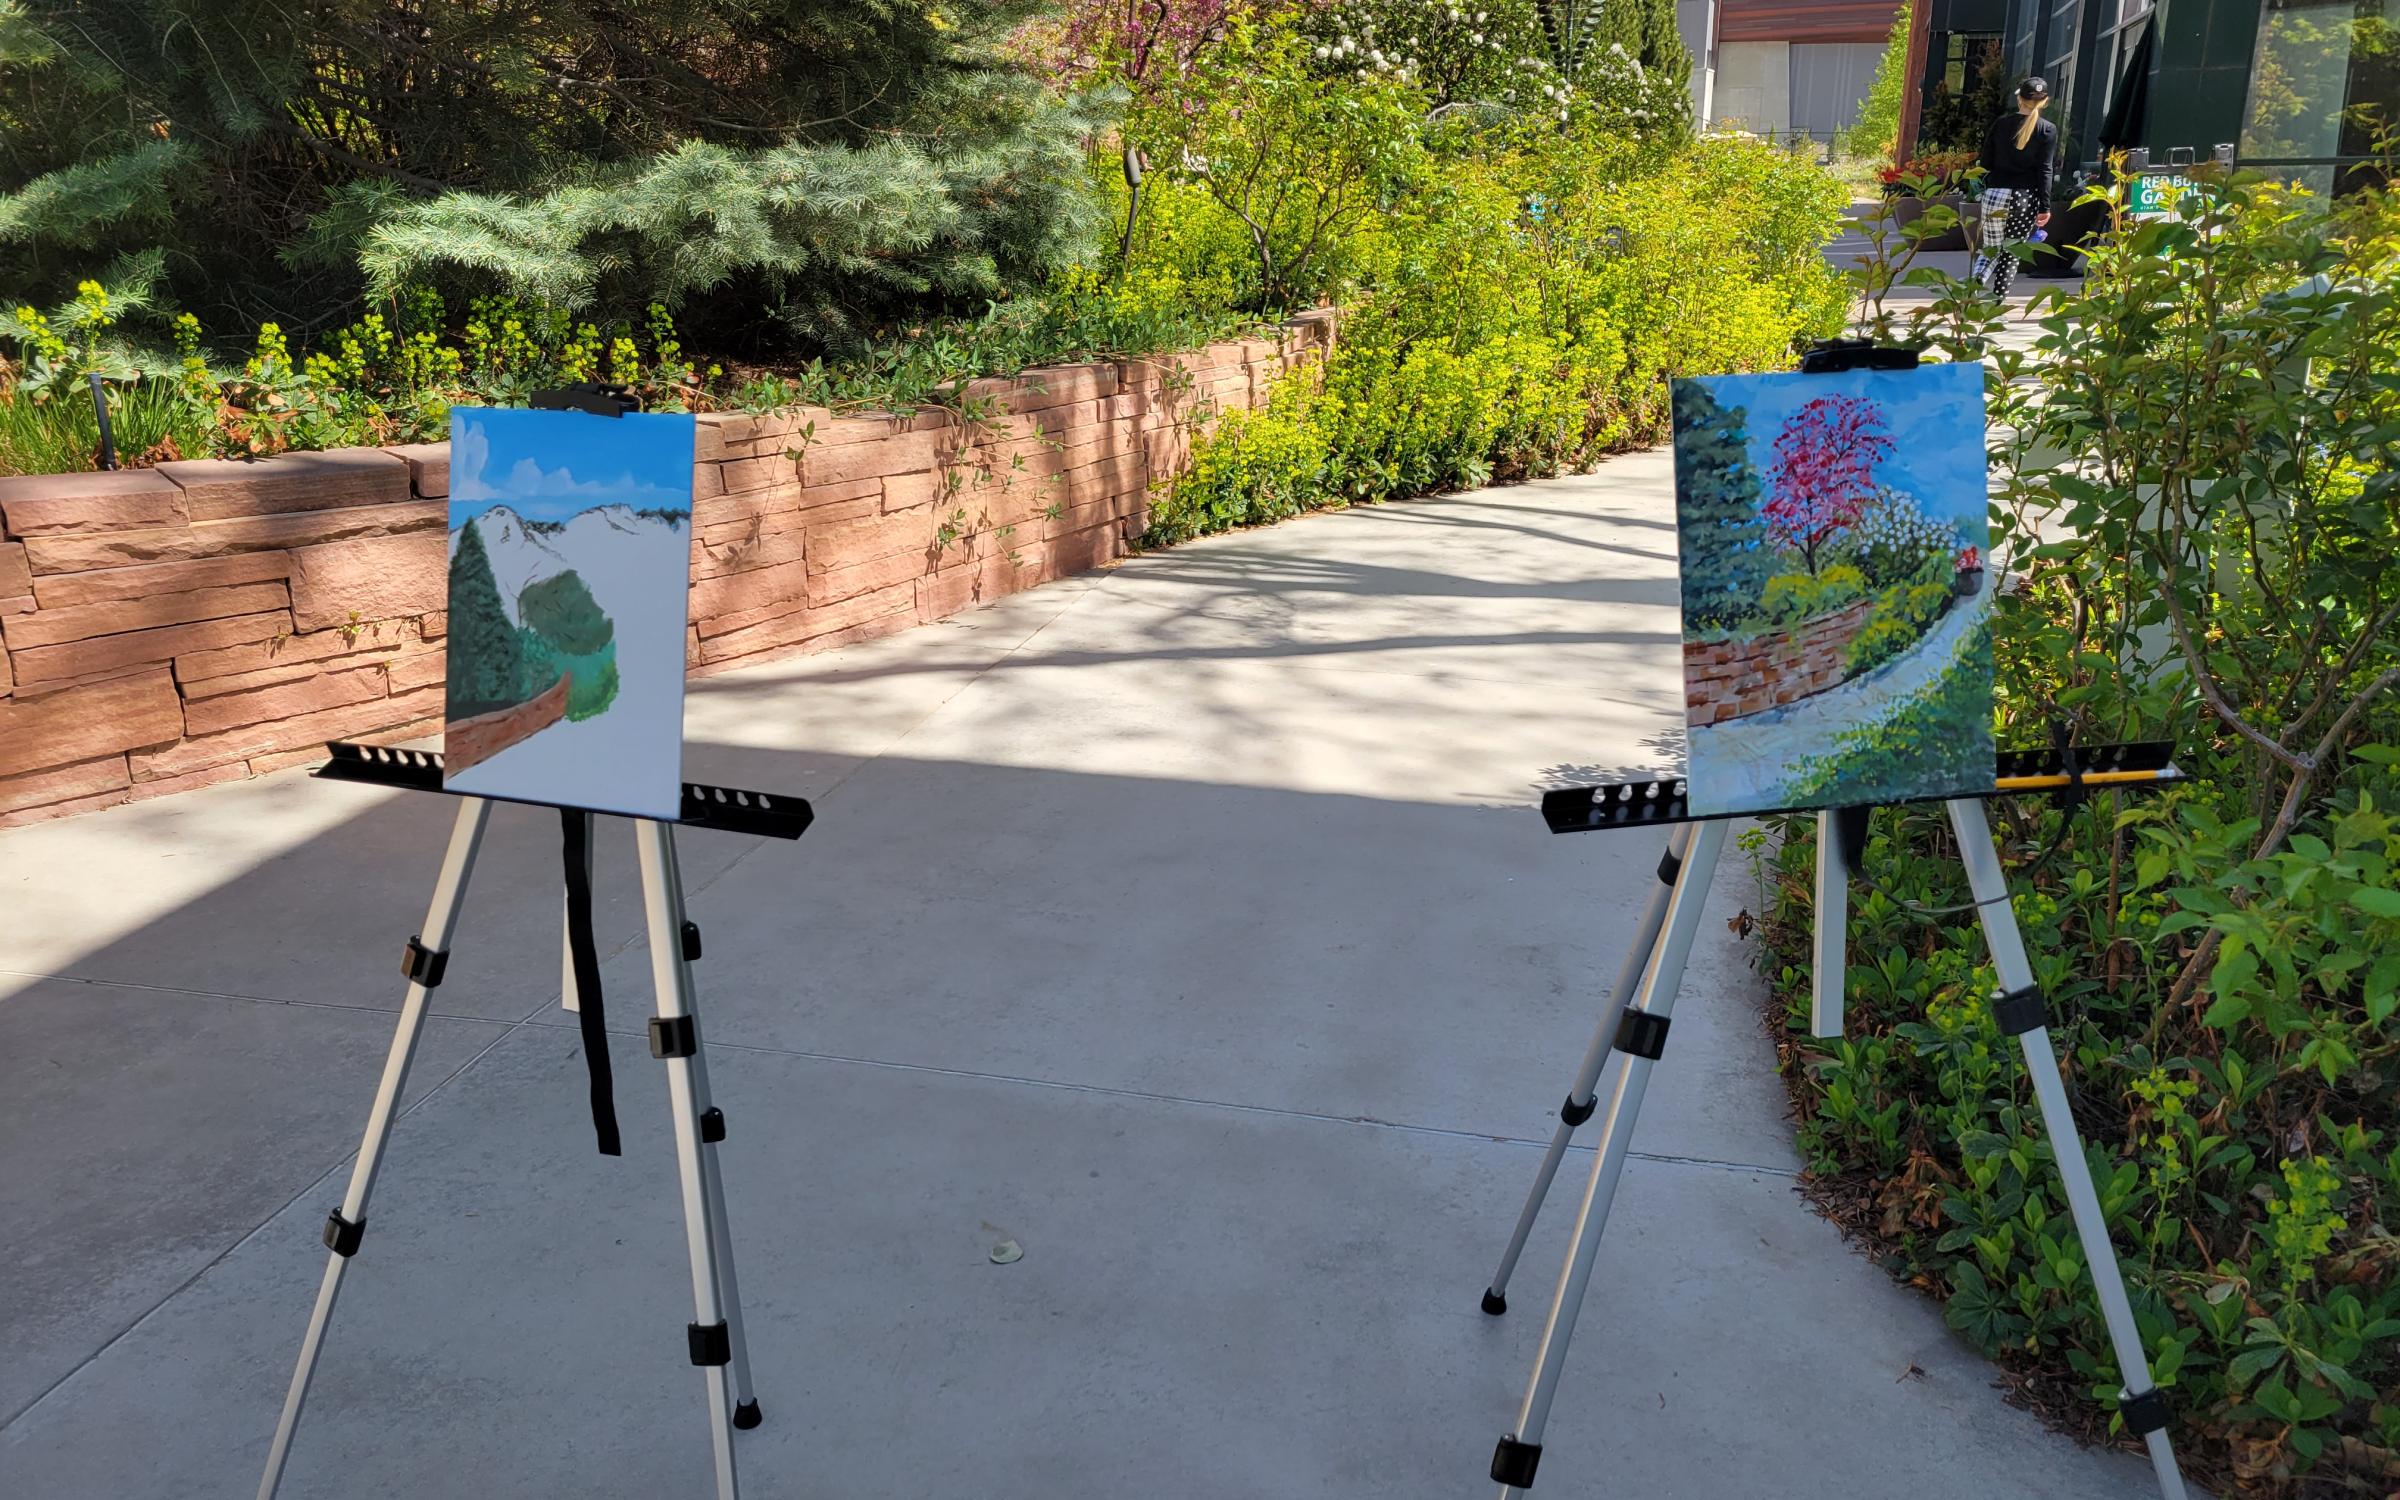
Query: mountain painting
(1832, 532)
(570, 557)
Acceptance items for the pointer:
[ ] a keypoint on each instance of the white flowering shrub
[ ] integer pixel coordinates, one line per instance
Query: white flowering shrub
(1893, 538)
(1486, 52)
(1614, 87)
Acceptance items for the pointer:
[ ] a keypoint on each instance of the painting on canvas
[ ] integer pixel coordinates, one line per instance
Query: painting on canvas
(570, 555)
(1836, 603)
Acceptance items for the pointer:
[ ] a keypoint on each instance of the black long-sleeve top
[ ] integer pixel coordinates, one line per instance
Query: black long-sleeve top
(2030, 169)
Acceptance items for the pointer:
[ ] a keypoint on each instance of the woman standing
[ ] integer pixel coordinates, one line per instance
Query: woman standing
(2019, 152)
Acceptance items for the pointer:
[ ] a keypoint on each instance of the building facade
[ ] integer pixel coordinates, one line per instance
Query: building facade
(1785, 68)
(2291, 86)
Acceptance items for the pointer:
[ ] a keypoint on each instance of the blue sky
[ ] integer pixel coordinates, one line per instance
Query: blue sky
(1935, 414)
(551, 465)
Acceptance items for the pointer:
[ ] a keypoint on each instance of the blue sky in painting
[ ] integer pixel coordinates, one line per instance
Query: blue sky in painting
(1935, 414)
(551, 465)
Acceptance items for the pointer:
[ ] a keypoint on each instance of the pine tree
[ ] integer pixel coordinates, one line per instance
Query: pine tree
(487, 664)
(1664, 57)
(1726, 559)
(259, 145)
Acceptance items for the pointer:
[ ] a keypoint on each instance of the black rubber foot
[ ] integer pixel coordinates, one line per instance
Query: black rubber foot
(745, 1416)
(1494, 1303)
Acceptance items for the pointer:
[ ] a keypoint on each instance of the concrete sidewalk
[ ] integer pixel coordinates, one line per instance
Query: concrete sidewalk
(1188, 924)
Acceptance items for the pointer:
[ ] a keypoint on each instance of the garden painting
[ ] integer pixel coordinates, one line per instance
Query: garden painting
(1836, 631)
(570, 555)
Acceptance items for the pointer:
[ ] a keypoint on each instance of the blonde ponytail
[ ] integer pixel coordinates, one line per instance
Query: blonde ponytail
(2033, 118)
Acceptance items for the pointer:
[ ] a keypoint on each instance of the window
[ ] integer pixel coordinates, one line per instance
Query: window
(1968, 85)
(2324, 76)
(2121, 29)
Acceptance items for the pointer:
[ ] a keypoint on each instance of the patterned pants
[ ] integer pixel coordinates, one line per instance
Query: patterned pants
(2008, 215)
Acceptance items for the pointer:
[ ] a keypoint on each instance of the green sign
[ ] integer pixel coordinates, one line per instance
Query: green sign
(2153, 194)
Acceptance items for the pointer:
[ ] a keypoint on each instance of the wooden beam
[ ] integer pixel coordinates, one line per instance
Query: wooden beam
(1912, 93)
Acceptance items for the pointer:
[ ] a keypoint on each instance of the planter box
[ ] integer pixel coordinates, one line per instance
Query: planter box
(1907, 210)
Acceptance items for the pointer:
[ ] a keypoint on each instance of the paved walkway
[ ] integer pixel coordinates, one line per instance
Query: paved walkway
(1187, 924)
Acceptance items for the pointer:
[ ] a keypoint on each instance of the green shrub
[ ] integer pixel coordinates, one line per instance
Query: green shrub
(1260, 466)
(1299, 161)
(1525, 312)
(562, 611)
(150, 420)
(1900, 618)
(1791, 598)
(592, 684)
(2207, 539)
(1929, 735)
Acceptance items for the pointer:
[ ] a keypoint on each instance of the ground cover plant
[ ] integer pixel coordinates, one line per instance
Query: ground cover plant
(2197, 495)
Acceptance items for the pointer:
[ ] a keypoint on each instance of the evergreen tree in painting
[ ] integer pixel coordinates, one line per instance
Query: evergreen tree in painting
(486, 663)
(1726, 560)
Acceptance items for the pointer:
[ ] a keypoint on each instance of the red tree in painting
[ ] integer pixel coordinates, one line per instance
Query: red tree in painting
(1824, 471)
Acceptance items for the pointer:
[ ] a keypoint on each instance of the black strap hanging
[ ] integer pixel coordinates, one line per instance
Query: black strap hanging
(586, 960)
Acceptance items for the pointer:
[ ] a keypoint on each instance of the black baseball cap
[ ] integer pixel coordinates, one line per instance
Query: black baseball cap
(2034, 88)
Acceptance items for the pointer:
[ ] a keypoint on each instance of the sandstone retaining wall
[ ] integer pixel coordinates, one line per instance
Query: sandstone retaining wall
(207, 621)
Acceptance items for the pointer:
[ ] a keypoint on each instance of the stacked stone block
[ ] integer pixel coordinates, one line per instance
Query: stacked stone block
(1730, 679)
(206, 621)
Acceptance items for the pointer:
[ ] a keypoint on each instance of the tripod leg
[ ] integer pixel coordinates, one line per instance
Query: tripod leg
(1580, 1097)
(712, 1131)
(1640, 1038)
(428, 952)
(1832, 964)
(675, 1036)
(2019, 1008)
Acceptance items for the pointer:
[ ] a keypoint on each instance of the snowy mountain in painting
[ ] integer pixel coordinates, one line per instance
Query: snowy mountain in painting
(603, 543)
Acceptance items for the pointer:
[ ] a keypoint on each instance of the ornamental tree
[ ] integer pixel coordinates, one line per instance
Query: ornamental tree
(1824, 472)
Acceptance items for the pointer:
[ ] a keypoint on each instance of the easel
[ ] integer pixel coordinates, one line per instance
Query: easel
(1653, 972)
(1625, 1047)
(714, 1339)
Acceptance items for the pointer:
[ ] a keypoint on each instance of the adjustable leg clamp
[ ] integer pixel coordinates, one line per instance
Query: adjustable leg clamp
(1513, 1462)
(2144, 1414)
(421, 964)
(2020, 1011)
(712, 1343)
(674, 1036)
(1642, 1034)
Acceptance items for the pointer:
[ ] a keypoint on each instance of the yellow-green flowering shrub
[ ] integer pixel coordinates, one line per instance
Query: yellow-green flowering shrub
(1527, 310)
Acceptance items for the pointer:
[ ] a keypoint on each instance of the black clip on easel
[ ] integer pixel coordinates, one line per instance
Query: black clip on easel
(715, 1340)
(1627, 1044)
(597, 398)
